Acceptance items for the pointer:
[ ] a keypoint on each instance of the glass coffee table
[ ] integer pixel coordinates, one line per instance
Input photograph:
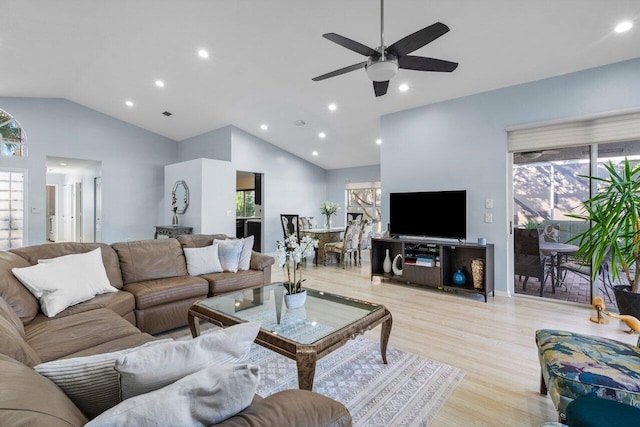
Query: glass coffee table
(305, 334)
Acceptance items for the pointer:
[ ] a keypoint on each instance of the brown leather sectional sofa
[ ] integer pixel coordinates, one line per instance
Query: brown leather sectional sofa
(154, 294)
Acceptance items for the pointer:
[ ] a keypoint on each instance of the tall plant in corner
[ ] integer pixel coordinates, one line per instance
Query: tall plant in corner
(614, 234)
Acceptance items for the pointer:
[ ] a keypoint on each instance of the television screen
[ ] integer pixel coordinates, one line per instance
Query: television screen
(441, 214)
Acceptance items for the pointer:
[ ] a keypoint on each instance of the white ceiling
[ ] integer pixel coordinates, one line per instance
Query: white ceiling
(263, 55)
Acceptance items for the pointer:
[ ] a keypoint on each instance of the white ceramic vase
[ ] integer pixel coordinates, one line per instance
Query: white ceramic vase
(295, 300)
(394, 265)
(386, 264)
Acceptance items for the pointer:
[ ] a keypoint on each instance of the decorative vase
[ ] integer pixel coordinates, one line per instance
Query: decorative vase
(459, 278)
(327, 223)
(394, 265)
(477, 272)
(174, 221)
(295, 300)
(386, 264)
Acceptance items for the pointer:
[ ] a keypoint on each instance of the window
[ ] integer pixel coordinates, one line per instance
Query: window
(11, 209)
(12, 138)
(365, 198)
(245, 203)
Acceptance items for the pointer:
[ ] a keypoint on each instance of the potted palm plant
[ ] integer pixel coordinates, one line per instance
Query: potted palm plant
(614, 235)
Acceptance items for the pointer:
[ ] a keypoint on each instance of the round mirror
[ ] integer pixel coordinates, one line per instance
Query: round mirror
(180, 194)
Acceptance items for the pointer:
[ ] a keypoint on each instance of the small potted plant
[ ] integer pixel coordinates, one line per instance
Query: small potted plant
(290, 254)
(614, 234)
(327, 209)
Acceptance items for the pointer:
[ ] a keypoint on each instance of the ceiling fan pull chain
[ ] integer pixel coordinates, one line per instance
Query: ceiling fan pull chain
(382, 55)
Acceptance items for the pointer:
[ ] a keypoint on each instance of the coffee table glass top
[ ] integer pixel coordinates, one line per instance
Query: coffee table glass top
(322, 314)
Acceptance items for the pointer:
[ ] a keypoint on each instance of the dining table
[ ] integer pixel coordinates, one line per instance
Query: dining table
(556, 251)
(324, 235)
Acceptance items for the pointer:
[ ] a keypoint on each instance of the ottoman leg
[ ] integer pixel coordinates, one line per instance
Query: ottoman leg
(543, 385)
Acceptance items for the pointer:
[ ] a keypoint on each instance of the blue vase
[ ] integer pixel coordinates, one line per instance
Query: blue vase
(459, 278)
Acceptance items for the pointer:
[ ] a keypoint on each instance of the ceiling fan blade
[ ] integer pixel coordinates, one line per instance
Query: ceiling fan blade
(351, 44)
(380, 88)
(421, 63)
(418, 39)
(340, 71)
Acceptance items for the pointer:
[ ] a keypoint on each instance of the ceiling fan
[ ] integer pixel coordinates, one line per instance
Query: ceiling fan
(383, 62)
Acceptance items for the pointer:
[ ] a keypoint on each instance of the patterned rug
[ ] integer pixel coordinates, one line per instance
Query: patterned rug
(408, 391)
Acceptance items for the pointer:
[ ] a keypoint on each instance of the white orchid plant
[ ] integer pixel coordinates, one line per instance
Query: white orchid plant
(289, 254)
(329, 208)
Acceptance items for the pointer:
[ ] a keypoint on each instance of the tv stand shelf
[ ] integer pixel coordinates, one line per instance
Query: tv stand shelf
(432, 263)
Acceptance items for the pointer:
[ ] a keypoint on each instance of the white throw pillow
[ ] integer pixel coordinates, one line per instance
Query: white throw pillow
(64, 281)
(91, 382)
(149, 369)
(229, 253)
(203, 260)
(204, 398)
(245, 254)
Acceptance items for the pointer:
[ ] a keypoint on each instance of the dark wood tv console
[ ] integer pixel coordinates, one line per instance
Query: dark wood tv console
(433, 263)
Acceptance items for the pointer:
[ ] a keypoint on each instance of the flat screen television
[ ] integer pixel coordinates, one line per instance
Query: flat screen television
(441, 214)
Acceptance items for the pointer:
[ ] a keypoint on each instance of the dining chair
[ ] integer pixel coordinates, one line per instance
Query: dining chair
(529, 261)
(365, 238)
(583, 269)
(290, 225)
(354, 216)
(347, 248)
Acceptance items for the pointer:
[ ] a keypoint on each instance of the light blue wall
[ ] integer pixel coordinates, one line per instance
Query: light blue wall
(462, 143)
(337, 179)
(132, 159)
(211, 145)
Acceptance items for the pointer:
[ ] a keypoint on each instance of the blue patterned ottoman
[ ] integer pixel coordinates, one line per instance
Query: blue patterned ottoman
(576, 365)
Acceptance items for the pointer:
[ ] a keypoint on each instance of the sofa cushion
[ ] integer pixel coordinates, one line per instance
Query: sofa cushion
(55, 338)
(14, 293)
(12, 337)
(148, 369)
(150, 259)
(53, 250)
(199, 240)
(29, 399)
(67, 280)
(151, 293)
(202, 260)
(276, 410)
(121, 302)
(204, 398)
(91, 382)
(229, 253)
(245, 256)
(575, 365)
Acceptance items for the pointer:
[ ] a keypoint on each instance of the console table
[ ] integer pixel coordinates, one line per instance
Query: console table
(172, 230)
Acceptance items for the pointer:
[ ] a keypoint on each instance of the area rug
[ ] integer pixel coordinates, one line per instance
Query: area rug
(408, 391)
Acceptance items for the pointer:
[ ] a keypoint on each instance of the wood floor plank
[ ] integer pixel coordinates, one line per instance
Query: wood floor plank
(492, 342)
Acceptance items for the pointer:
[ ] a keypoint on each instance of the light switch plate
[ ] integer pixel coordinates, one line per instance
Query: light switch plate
(488, 203)
(488, 217)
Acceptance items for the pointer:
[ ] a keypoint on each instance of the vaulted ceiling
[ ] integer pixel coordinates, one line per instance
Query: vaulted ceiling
(263, 55)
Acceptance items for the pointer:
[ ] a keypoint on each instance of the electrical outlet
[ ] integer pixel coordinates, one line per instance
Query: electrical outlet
(488, 217)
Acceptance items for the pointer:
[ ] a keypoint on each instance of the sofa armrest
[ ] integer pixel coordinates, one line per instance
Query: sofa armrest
(260, 261)
(292, 408)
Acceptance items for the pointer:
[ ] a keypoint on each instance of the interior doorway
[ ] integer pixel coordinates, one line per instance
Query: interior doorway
(72, 197)
(249, 202)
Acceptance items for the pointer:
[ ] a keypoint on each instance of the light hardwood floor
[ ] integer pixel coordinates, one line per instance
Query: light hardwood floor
(492, 342)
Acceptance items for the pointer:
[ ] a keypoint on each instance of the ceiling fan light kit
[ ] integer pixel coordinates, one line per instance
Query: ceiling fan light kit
(383, 63)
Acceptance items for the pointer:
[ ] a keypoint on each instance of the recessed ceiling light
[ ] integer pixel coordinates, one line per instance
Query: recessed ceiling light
(403, 87)
(159, 83)
(129, 103)
(264, 126)
(315, 153)
(63, 164)
(332, 107)
(378, 141)
(623, 26)
(203, 53)
(322, 135)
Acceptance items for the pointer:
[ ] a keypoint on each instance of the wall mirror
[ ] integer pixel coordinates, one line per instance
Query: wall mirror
(180, 194)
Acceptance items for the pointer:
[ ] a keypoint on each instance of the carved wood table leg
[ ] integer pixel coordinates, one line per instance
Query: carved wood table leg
(384, 337)
(306, 359)
(194, 325)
